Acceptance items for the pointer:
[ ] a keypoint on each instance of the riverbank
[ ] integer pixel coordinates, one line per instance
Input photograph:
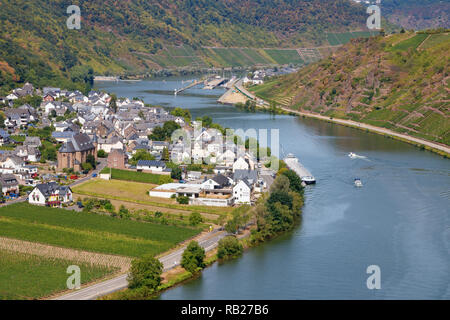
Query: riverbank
(421, 143)
(440, 149)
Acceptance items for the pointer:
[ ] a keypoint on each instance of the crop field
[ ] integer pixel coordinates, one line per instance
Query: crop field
(89, 232)
(26, 277)
(126, 175)
(137, 193)
(435, 39)
(336, 39)
(257, 57)
(285, 56)
(411, 43)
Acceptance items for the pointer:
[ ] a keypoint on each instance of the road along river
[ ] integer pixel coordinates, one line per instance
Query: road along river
(399, 220)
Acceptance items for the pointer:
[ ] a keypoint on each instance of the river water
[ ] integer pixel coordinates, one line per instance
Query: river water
(399, 220)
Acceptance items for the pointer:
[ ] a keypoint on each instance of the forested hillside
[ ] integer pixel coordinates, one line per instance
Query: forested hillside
(417, 14)
(118, 37)
(400, 82)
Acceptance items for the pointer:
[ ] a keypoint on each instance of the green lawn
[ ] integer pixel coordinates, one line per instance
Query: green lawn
(24, 276)
(89, 232)
(126, 175)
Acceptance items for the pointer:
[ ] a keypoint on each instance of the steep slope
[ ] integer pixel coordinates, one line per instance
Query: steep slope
(400, 82)
(119, 37)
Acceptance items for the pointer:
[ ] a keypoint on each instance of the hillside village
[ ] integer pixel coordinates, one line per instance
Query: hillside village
(68, 137)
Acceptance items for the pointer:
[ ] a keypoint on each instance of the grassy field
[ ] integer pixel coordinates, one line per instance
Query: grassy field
(25, 277)
(127, 175)
(89, 232)
(138, 193)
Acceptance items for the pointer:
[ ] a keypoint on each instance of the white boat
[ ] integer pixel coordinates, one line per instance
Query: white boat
(358, 182)
(353, 155)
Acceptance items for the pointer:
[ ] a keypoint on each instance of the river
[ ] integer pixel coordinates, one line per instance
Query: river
(399, 220)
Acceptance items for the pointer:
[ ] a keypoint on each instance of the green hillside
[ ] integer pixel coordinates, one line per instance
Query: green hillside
(400, 82)
(135, 36)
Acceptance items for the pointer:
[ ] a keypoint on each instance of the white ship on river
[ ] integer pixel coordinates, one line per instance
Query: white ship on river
(294, 164)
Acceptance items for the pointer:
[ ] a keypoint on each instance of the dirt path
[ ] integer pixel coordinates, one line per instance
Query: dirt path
(123, 263)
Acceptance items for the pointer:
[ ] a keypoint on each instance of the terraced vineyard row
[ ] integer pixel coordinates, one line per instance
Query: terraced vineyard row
(186, 56)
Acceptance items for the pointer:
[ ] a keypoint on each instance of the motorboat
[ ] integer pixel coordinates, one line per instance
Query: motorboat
(358, 182)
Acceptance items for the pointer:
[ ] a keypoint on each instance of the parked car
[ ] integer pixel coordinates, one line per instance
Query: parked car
(94, 175)
(73, 177)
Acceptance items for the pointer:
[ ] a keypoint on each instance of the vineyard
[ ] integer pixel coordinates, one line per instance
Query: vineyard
(25, 277)
(89, 232)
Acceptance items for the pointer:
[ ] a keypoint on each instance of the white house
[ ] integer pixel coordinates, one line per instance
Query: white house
(151, 165)
(227, 158)
(11, 164)
(240, 164)
(242, 192)
(109, 144)
(50, 194)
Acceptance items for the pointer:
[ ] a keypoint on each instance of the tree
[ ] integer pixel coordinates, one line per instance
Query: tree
(165, 132)
(91, 159)
(141, 155)
(281, 183)
(185, 114)
(165, 154)
(176, 173)
(183, 200)
(86, 166)
(113, 103)
(295, 183)
(145, 273)
(102, 154)
(195, 218)
(193, 257)
(229, 248)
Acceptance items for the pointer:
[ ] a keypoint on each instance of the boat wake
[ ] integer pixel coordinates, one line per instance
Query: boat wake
(356, 156)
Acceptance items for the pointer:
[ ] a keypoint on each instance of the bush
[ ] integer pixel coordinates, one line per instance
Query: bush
(193, 257)
(102, 154)
(195, 218)
(229, 248)
(183, 200)
(145, 274)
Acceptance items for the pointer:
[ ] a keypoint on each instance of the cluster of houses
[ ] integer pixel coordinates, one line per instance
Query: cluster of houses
(259, 76)
(84, 125)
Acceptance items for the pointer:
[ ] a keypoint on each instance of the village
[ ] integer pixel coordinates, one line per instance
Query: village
(68, 138)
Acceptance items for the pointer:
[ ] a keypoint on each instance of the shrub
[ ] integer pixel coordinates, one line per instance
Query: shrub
(183, 200)
(102, 154)
(145, 274)
(229, 248)
(193, 257)
(195, 218)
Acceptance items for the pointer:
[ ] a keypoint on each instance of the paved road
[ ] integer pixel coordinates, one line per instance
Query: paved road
(170, 261)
